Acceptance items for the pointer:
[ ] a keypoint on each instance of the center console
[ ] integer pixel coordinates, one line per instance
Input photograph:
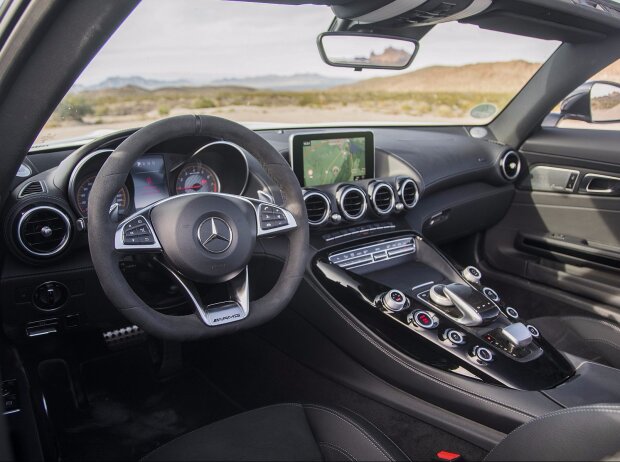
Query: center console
(405, 290)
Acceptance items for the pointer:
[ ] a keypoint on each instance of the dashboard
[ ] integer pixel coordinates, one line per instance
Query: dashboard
(353, 181)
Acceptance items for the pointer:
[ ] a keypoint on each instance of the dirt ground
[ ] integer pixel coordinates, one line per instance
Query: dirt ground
(265, 117)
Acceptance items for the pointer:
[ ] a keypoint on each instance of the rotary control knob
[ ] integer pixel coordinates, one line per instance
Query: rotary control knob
(438, 296)
(482, 354)
(472, 274)
(456, 337)
(394, 300)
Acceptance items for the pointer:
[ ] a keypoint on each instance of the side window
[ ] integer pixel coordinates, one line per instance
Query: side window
(595, 104)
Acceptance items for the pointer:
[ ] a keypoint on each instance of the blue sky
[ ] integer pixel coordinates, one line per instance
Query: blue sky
(203, 40)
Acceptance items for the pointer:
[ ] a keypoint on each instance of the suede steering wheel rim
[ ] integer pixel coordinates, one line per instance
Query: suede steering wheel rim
(169, 220)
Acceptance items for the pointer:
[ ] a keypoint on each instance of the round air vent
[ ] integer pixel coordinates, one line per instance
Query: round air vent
(43, 231)
(408, 192)
(510, 165)
(382, 197)
(352, 202)
(318, 207)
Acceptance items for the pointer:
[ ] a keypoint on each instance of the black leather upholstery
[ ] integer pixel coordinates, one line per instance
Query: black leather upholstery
(580, 433)
(311, 432)
(588, 338)
(284, 432)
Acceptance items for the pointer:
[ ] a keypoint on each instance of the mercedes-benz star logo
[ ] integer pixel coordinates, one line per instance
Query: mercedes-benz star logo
(215, 235)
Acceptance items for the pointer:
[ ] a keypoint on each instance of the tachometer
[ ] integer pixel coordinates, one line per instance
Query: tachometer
(83, 192)
(197, 177)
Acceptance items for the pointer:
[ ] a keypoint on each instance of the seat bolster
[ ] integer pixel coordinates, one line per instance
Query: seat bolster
(579, 433)
(595, 339)
(343, 435)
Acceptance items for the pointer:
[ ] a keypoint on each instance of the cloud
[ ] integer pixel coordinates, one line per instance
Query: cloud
(202, 40)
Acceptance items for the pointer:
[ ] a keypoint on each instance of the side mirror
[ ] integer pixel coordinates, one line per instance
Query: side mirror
(366, 51)
(593, 102)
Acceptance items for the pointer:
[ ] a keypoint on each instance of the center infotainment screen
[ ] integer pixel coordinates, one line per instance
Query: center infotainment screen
(328, 158)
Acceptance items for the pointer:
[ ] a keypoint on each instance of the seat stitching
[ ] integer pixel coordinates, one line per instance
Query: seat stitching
(600, 340)
(373, 426)
(338, 449)
(429, 376)
(595, 321)
(593, 409)
(354, 425)
(362, 429)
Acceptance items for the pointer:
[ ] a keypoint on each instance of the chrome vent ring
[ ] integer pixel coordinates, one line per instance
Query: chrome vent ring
(352, 202)
(510, 165)
(382, 198)
(318, 207)
(408, 192)
(43, 231)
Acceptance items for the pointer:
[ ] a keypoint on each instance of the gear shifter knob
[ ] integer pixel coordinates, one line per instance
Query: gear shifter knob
(517, 334)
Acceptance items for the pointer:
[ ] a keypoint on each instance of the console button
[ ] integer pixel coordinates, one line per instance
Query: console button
(483, 354)
(535, 332)
(394, 300)
(456, 337)
(490, 294)
(425, 319)
(472, 274)
(511, 312)
(438, 295)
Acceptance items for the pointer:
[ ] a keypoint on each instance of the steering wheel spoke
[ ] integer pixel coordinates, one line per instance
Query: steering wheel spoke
(224, 312)
(136, 234)
(272, 219)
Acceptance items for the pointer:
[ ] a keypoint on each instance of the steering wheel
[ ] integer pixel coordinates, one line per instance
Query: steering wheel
(198, 237)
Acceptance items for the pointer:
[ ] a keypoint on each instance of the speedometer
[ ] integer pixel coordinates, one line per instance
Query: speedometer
(83, 192)
(197, 177)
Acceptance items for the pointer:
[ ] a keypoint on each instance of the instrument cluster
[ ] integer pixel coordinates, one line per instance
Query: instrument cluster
(217, 167)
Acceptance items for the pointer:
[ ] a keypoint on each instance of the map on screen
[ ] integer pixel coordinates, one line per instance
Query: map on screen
(334, 161)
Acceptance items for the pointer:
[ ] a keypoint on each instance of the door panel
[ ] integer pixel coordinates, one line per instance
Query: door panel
(563, 227)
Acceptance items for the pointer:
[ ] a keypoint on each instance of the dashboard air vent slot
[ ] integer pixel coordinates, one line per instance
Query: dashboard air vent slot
(382, 198)
(33, 187)
(510, 165)
(318, 207)
(408, 192)
(43, 231)
(352, 202)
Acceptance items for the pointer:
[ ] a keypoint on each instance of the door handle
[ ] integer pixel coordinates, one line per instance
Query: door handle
(601, 184)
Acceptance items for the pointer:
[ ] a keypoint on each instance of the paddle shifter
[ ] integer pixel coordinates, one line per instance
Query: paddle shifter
(464, 304)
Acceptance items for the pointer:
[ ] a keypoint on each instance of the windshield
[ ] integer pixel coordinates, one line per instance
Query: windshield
(258, 64)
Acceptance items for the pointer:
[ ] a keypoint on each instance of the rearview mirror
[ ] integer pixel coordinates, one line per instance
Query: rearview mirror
(594, 102)
(366, 51)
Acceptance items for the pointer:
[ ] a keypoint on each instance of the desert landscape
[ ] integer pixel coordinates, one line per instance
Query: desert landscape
(436, 94)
